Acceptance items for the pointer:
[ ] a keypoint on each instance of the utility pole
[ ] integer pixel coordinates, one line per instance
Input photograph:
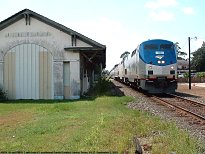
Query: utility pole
(189, 63)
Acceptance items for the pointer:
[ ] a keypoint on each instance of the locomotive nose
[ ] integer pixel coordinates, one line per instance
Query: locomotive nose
(161, 82)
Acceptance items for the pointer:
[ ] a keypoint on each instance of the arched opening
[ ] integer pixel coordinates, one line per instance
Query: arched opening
(28, 72)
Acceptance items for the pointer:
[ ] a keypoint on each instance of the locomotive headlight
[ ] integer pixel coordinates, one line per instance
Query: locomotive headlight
(159, 62)
(163, 61)
(150, 67)
(172, 67)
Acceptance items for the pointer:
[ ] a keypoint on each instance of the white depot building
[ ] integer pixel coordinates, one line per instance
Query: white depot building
(42, 59)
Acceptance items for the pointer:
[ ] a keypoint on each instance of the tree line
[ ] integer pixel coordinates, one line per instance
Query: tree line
(197, 59)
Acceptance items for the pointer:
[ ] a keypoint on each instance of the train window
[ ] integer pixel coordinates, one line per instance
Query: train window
(150, 47)
(150, 72)
(166, 46)
(172, 72)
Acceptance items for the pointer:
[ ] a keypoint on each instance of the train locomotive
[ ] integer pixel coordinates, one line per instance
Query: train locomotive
(152, 66)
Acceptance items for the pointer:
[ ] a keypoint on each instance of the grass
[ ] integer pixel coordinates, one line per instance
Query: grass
(99, 124)
(102, 124)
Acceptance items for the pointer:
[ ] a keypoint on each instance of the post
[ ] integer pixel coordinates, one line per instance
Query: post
(189, 63)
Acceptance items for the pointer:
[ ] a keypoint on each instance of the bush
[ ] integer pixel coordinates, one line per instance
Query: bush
(3, 94)
(200, 74)
(102, 87)
(186, 75)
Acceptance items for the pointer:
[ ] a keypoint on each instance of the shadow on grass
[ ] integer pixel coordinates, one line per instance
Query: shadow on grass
(104, 88)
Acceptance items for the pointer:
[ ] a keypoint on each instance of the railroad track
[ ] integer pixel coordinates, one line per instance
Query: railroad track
(186, 107)
(191, 111)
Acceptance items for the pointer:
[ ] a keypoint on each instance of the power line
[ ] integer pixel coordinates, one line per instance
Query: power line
(201, 38)
(186, 42)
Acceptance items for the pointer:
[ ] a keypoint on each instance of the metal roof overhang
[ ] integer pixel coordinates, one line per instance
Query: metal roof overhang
(93, 54)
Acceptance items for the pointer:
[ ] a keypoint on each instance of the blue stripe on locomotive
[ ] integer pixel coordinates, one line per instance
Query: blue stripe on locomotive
(153, 56)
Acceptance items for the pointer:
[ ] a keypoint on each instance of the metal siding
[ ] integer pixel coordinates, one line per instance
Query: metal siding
(45, 75)
(13, 69)
(10, 76)
(28, 72)
(18, 74)
(30, 90)
(18, 67)
(25, 70)
(41, 69)
(10, 88)
(50, 81)
(6, 73)
(20, 71)
(9, 72)
(1, 75)
(36, 50)
(33, 72)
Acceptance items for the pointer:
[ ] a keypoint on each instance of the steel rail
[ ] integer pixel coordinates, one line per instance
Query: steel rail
(186, 99)
(201, 118)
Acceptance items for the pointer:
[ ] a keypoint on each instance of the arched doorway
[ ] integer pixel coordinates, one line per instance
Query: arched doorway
(28, 72)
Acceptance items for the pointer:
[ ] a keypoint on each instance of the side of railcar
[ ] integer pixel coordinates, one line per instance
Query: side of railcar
(127, 70)
(114, 72)
(121, 71)
(133, 68)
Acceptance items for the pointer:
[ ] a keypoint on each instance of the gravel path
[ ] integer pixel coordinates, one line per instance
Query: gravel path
(143, 103)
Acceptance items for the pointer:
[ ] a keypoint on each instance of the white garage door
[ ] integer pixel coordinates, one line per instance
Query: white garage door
(28, 72)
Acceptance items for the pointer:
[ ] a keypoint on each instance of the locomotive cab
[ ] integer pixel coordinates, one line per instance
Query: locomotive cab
(160, 66)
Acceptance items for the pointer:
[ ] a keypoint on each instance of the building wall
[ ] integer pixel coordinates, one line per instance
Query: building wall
(53, 41)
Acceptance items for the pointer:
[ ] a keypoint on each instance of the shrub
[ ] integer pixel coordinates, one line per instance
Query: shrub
(200, 74)
(186, 75)
(102, 87)
(3, 94)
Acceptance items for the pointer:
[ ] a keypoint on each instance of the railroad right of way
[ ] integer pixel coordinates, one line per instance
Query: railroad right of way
(144, 103)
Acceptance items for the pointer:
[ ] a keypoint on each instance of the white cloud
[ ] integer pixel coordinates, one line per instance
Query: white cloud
(160, 4)
(162, 16)
(188, 10)
(160, 10)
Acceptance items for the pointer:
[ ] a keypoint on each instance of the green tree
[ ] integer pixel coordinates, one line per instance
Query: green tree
(198, 60)
(105, 73)
(180, 54)
(125, 54)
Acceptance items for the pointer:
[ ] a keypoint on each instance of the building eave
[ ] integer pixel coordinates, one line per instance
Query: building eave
(100, 53)
(84, 49)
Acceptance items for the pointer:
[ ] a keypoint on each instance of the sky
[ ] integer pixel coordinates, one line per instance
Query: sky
(122, 25)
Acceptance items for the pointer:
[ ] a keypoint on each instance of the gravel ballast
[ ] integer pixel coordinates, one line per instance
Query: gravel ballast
(143, 103)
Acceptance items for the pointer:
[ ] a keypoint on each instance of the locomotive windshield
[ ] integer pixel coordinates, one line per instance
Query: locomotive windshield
(150, 47)
(158, 52)
(166, 47)
(161, 47)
